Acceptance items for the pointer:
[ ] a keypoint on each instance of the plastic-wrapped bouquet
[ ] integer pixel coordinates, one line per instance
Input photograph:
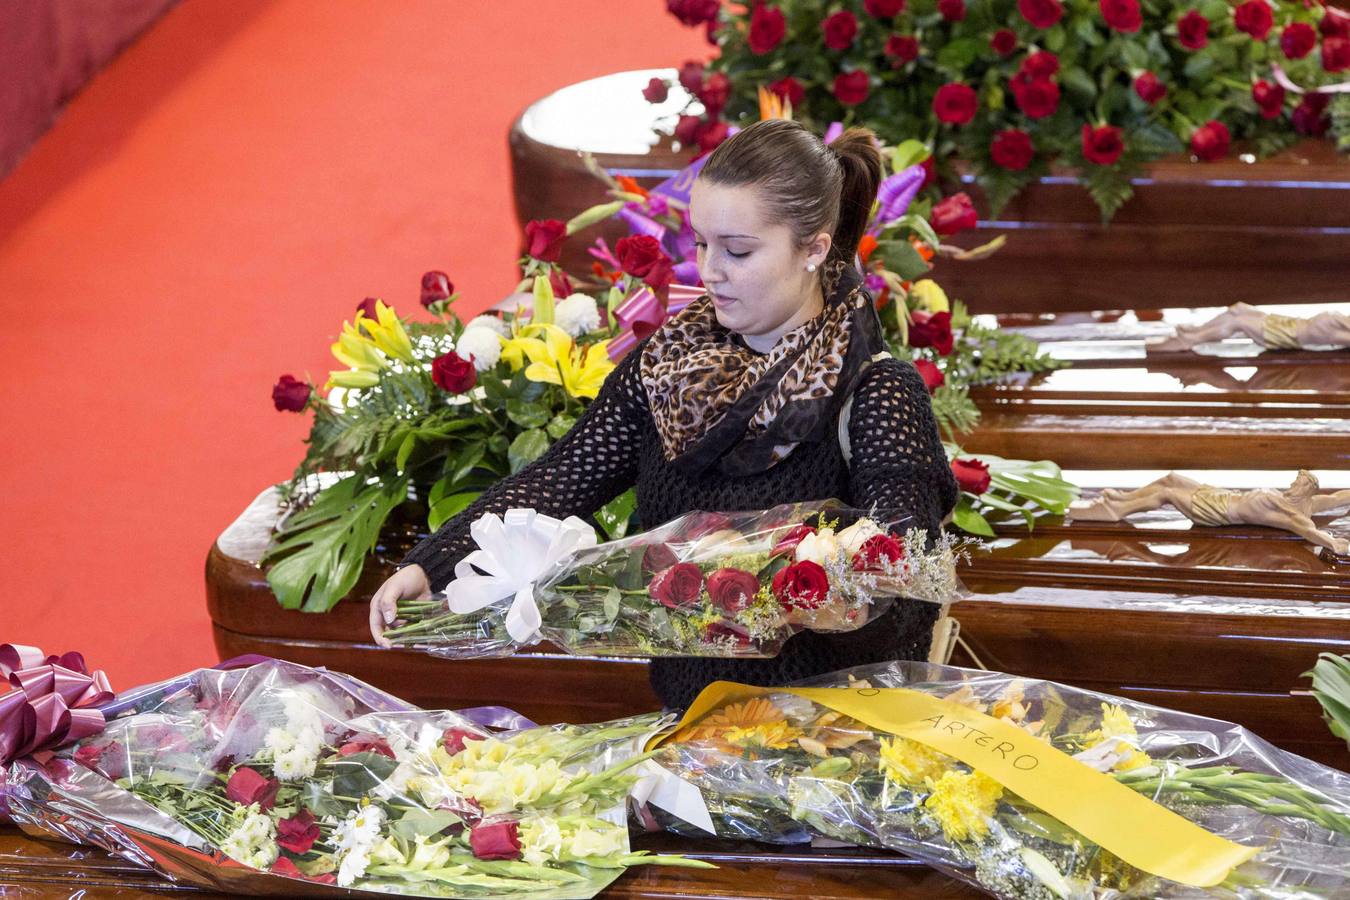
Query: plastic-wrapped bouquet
(226, 779)
(703, 584)
(1029, 789)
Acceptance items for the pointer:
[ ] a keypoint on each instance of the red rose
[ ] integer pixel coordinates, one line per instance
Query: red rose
(247, 787)
(788, 542)
(1193, 30)
(803, 585)
(677, 586)
(708, 139)
(284, 866)
(561, 284)
(1335, 23)
(290, 395)
(1036, 97)
(1269, 98)
(971, 475)
(767, 27)
(931, 330)
(952, 10)
(850, 88)
(544, 239)
(1122, 15)
(691, 76)
(1003, 42)
(1012, 149)
(298, 833)
(453, 373)
(367, 308)
(1254, 18)
(500, 840)
(877, 551)
(932, 376)
(955, 103)
(1210, 141)
(1149, 88)
(366, 743)
(694, 12)
(732, 590)
(840, 29)
(658, 557)
(706, 523)
(638, 253)
(1041, 64)
(656, 91)
(882, 9)
(929, 171)
(1336, 54)
(714, 93)
(953, 215)
(687, 130)
(1041, 13)
(436, 286)
(719, 632)
(1102, 145)
(1298, 40)
(452, 739)
(1308, 117)
(790, 89)
(903, 48)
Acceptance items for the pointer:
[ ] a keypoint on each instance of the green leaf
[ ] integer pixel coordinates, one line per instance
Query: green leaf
(614, 517)
(526, 448)
(559, 425)
(1136, 56)
(405, 450)
(967, 519)
(1054, 39)
(318, 555)
(527, 414)
(908, 153)
(1331, 687)
(356, 775)
(957, 55)
(613, 599)
(920, 226)
(902, 259)
(1199, 66)
(1086, 29)
(1080, 84)
(318, 800)
(447, 508)
(427, 822)
(466, 462)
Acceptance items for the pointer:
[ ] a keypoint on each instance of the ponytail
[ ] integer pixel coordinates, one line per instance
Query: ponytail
(860, 163)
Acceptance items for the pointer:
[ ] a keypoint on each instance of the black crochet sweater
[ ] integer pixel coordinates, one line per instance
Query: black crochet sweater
(898, 465)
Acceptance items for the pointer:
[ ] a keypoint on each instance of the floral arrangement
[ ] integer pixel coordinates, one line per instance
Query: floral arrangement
(786, 765)
(703, 584)
(1015, 89)
(313, 776)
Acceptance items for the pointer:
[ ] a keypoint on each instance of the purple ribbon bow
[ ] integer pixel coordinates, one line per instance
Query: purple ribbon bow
(50, 702)
(643, 313)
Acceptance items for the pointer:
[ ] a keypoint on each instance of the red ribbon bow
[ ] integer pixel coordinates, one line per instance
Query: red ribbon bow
(50, 701)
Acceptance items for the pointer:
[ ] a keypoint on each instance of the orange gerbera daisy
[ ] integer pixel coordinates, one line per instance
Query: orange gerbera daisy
(746, 714)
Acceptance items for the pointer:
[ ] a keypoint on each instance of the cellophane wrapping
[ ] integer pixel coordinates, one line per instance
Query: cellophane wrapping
(704, 584)
(784, 769)
(282, 779)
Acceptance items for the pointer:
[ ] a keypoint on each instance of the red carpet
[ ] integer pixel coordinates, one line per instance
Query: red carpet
(199, 221)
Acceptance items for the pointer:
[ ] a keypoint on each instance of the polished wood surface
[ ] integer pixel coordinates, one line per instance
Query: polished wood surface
(31, 868)
(1193, 234)
(1219, 622)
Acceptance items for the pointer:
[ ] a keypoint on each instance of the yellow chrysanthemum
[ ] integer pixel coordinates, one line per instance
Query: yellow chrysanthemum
(910, 762)
(963, 804)
(1116, 722)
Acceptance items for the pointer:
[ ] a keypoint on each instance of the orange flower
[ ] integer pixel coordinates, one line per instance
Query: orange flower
(601, 272)
(772, 106)
(757, 711)
(924, 250)
(866, 246)
(631, 186)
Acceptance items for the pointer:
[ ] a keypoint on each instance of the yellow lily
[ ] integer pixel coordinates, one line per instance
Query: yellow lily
(387, 332)
(556, 359)
(930, 295)
(360, 354)
(352, 378)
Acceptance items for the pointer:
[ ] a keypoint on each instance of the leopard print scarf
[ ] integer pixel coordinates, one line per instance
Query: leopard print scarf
(715, 401)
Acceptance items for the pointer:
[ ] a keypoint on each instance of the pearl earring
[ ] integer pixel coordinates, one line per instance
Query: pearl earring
(810, 267)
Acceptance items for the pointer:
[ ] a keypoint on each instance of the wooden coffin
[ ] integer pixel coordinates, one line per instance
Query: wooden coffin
(37, 868)
(1217, 622)
(1122, 406)
(1276, 231)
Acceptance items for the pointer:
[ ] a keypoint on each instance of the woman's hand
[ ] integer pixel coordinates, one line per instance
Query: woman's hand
(408, 583)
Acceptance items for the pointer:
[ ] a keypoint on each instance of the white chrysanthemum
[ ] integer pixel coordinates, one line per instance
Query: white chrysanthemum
(253, 842)
(354, 837)
(577, 315)
(493, 323)
(295, 755)
(483, 345)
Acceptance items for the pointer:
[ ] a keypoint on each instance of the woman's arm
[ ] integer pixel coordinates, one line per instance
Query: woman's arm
(589, 466)
(898, 462)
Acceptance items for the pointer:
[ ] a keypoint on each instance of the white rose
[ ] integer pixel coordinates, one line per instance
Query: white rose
(577, 315)
(819, 548)
(854, 536)
(482, 344)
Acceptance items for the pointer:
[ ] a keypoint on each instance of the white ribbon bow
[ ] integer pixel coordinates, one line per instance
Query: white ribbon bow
(661, 787)
(515, 550)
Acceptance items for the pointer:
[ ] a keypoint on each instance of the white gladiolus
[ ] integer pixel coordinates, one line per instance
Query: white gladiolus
(492, 323)
(482, 345)
(577, 315)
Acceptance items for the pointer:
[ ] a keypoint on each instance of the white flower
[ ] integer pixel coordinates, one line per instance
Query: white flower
(355, 837)
(295, 755)
(492, 323)
(577, 315)
(604, 842)
(396, 783)
(482, 345)
(854, 536)
(253, 841)
(821, 547)
(540, 840)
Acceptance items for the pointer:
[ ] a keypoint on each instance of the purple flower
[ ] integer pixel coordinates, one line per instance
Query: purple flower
(896, 193)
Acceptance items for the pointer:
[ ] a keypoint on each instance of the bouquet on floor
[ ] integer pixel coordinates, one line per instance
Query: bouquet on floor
(1028, 789)
(236, 779)
(703, 584)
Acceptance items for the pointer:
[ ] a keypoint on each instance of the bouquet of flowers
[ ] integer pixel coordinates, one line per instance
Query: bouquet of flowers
(235, 779)
(1028, 789)
(703, 584)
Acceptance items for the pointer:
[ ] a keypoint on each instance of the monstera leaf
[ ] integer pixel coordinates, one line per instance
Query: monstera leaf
(316, 557)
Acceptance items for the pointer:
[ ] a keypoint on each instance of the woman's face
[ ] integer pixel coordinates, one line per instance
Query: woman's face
(752, 266)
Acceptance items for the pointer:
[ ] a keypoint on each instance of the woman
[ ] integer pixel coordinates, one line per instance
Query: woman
(735, 403)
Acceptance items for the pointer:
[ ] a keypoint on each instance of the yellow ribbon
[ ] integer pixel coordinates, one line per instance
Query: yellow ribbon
(1131, 826)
